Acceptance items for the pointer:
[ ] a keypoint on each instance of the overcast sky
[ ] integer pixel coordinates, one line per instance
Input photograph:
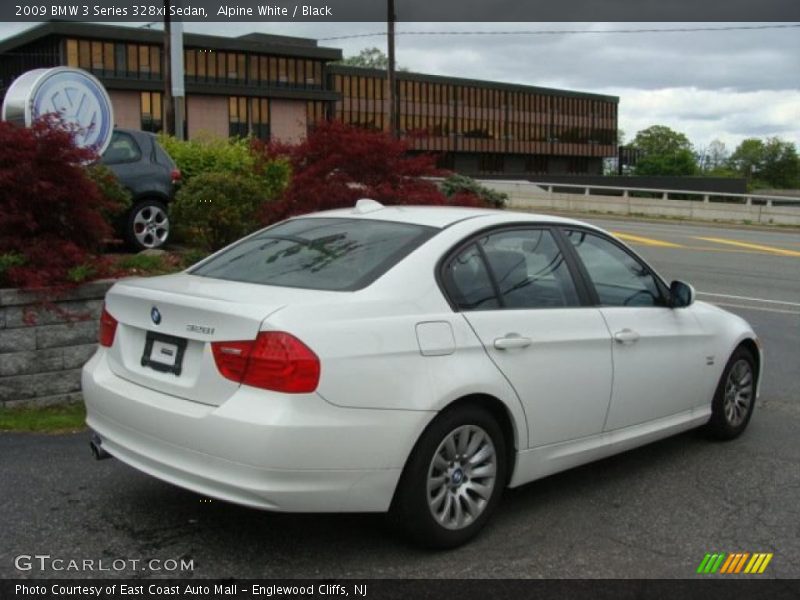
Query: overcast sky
(725, 85)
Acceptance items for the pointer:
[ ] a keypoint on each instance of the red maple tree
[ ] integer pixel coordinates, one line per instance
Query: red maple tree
(51, 213)
(338, 164)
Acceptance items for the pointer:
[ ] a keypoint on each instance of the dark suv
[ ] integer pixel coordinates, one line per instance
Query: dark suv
(145, 168)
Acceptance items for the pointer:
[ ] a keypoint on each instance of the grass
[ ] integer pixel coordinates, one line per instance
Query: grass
(144, 265)
(141, 262)
(50, 419)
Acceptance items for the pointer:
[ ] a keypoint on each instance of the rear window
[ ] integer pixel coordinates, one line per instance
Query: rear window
(318, 254)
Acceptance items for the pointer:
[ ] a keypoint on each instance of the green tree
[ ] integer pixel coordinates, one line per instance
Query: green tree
(781, 164)
(369, 58)
(748, 158)
(771, 163)
(664, 152)
(714, 160)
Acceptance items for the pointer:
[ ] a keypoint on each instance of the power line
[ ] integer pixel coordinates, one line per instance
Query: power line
(571, 31)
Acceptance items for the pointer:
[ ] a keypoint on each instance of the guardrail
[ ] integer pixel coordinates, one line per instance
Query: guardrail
(634, 201)
(625, 192)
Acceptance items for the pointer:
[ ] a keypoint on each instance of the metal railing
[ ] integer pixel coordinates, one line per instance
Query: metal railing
(685, 195)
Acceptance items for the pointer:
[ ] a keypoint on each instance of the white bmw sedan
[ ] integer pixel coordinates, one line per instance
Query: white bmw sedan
(416, 360)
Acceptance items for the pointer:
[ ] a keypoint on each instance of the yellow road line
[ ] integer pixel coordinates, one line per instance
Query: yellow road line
(759, 247)
(627, 237)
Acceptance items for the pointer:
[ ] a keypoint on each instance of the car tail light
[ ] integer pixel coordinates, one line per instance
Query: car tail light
(108, 328)
(275, 360)
(175, 175)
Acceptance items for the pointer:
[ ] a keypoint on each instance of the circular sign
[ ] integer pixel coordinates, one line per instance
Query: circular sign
(75, 95)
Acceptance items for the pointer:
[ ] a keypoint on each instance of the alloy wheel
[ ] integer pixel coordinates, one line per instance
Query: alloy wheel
(461, 477)
(151, 226)
(738, 393)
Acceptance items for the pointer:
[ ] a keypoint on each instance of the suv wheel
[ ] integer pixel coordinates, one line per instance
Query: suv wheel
(147, 225)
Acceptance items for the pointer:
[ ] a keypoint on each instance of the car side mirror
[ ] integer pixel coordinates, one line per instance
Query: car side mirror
(681, 294)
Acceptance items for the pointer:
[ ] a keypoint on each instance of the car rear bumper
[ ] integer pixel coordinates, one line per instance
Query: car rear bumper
(293, 453)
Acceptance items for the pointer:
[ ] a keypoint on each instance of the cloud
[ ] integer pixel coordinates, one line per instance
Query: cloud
(705, 115)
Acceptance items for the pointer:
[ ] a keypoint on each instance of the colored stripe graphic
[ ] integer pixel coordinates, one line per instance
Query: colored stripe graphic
(711, 562)
(703, 563)
(727, 564)
(764, 564)
(758, 563)
(740, 564)
(734, 563)
(718, 564)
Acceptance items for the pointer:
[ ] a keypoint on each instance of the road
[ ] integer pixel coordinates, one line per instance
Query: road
(652, 512)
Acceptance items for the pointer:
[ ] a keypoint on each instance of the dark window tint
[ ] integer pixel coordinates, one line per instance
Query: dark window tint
(467, 281)
(123, 148)
(619, 278)
(529, 269)
(320, 254)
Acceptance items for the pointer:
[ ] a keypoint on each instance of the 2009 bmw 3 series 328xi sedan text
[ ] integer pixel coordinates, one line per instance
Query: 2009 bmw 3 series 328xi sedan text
(416, 360)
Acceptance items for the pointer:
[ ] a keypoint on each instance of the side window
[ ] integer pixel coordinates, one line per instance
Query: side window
(619, 278)
(467, 281)
(123, 148)
(529, 269)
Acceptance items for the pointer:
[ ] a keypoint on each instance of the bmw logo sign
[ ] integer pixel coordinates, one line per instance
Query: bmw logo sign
(75, 95)
(155, 315)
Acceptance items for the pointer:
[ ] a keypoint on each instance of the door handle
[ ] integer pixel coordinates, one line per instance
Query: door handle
(626, 336)
(512, 340)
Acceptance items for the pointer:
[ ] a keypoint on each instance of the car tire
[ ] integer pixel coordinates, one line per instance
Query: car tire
(453, 479)
(147, 225)
(735, 397)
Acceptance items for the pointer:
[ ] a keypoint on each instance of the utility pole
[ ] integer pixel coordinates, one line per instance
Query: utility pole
(168, 106)
(390, 71)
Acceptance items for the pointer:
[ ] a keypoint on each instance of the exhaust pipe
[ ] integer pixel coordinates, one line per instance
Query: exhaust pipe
(96, 446)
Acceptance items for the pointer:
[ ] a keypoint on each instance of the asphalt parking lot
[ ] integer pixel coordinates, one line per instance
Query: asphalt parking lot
(653, 512)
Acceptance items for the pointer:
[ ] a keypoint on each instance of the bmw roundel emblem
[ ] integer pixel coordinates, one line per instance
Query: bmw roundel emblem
(155, 315)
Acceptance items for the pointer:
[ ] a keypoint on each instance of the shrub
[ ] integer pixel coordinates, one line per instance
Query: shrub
(8, 260)
(214, 209)
(461, 183)
(117, 196)
(210, 155)
(338, 164)
(51, 213)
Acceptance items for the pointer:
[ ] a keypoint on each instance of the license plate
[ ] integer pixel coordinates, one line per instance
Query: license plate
(163, 352)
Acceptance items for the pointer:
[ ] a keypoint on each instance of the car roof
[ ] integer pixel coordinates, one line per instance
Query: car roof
(433, 216)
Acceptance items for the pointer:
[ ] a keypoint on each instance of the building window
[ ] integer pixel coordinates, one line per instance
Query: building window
(446, 161)
(248, 117)
(109, 59)
(72, 53)
(260, 118)
(315, 113)
(151, 111)
(237, 116)
(536, 165)
(578, 164)
(491, 163)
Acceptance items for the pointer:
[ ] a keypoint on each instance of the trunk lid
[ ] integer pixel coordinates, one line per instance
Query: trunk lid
(166, 326)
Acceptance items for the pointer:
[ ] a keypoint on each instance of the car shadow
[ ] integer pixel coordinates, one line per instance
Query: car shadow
(158, 519)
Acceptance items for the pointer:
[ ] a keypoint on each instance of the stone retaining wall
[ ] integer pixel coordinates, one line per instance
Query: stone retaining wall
(44, 344)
